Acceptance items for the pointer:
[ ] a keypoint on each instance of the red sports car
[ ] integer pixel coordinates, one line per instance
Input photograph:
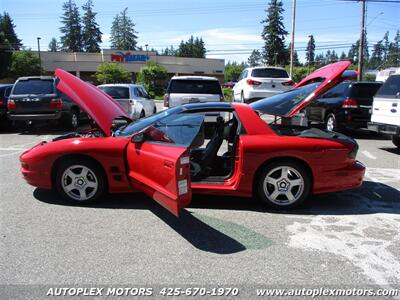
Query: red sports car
(171, 155)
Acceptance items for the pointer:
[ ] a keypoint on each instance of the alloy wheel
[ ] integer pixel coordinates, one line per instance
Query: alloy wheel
(79, 182)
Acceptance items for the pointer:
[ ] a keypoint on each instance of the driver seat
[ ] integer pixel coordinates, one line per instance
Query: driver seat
(211, 150)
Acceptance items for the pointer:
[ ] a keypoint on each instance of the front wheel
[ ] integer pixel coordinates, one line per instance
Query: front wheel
(283, 185)
(396, 141)
(330, 123)
(80, 181)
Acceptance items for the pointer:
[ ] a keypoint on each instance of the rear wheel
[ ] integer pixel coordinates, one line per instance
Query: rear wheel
(396, 141)
(283, 185)
(71, 121)
(155, 110)
(330, 122)
(142, 114)
(80, 181)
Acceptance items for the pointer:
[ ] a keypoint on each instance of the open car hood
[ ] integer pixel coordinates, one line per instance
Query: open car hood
(98, 105)
(327, 77)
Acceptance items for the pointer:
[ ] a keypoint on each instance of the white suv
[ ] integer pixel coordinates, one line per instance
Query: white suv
(192, 89)
(132, 97)
(261, 82)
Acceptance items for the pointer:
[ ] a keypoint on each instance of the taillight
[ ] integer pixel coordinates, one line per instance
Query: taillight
(166, 100)
(253, 82)
(350, 103)
(11, 104)
(288, 83)
(56, 104)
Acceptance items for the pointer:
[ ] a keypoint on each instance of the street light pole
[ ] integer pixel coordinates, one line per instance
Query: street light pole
(40, 59)
(292, 44)
(361, 49)
(147, 51)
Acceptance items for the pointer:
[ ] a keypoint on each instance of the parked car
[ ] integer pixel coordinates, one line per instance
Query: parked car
(5, 90)
(229, 84)
(167, 156)
(261, 82)
(36, 98)
(192, 89)
(382, 75)
(348, 104)
(132, 97)
(386, 109)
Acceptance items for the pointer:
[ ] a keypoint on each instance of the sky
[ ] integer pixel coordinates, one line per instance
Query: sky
(230, 28)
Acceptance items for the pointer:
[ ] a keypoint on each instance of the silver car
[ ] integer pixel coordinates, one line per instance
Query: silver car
(133, 97)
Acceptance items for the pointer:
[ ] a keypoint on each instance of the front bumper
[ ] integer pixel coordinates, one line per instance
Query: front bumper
(384, 128)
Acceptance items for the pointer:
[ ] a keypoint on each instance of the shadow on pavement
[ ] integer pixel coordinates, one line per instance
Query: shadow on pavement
(393, 149)
(222, 237)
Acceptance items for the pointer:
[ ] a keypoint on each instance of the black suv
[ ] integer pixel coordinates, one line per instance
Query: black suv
(37, 98)
(5, 90)
(348, 104)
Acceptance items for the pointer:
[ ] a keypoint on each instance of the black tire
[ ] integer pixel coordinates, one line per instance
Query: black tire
(265, 191)
(155, 110)
(142, 114)
(396, 140)
(71, 120)
(331, 123)
(94, 176)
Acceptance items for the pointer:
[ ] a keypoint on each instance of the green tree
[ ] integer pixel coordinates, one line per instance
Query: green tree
(343, 56)
(385, 45)
(71, 39)
(169, 51)
(193, 47)
(255, 58)
(150, 76)
(274, 34)
(233, 71)
(53, 45)
(112, 73)
(393, 56)
(7, 27)
(310, 51)
(377, 55)
(25, 63)
(91, 34)
(123, 34)
(5, 55)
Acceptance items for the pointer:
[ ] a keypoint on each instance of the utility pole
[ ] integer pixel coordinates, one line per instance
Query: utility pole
(361, 49)
(147, 51)
(292, 44)
(40, 59)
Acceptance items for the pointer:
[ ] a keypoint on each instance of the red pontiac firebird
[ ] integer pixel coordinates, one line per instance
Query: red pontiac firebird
(174, 153)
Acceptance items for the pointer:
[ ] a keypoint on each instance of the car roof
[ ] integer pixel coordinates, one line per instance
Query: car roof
(121, 84)
(193, 78)
(36, 77)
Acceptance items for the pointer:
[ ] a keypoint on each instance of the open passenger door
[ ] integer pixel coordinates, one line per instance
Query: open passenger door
(159, 162)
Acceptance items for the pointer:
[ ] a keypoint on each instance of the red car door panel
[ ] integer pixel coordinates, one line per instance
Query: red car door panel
(162, 172)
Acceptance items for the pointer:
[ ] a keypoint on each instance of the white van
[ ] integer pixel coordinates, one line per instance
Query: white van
(385, 116)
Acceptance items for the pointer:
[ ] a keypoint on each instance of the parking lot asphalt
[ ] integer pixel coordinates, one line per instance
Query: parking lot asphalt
(347, 238)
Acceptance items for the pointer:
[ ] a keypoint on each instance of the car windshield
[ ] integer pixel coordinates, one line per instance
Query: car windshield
(34, 86)
(195, 87)
(269, 73)
(145, 122)
(283, 104)
(391, 87)
(116, 92)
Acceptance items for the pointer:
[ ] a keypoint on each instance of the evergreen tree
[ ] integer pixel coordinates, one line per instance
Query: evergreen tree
(274, 34)
(310, 51)
(385, 45)
(71, 39)
(123, 34)
(377, 55)
(393, 56)
(5, 55)
(7, 27)
(91, 34)
(354, 51)
(343, 56)
(194, 47)
(168, 51)
(53, 45)
(255, 58)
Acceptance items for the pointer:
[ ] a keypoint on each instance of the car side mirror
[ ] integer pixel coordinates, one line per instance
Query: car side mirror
(138, 137)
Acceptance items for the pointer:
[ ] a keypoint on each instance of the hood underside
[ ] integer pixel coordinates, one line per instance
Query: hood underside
(97, 104)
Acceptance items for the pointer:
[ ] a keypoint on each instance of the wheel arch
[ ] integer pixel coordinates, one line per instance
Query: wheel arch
(297, 160)
(63, 158)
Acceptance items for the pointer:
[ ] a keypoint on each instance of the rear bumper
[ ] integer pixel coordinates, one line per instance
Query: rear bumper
(384, 128)
(29, 117)
(254, 95)
(346, 178)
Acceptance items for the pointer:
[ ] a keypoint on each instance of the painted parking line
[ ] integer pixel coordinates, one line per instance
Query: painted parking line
(367, 154)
